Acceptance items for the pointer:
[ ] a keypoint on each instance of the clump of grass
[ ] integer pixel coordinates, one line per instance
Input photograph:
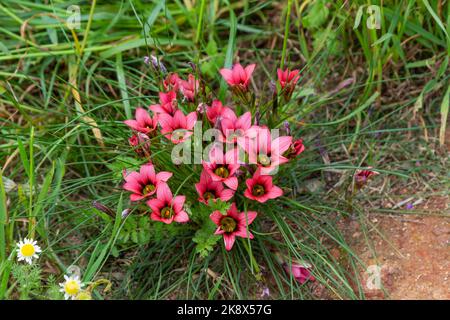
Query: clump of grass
(367, 97)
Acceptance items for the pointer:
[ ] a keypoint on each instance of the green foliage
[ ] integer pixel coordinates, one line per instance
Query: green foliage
(121, 163)
(400, 82)
(317, 15)
(219, 205)
(28, 279)
(206, 239)
(215, 59)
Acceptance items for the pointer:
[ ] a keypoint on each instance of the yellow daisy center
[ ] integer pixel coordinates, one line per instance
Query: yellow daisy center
(27, 250)
(71, 287)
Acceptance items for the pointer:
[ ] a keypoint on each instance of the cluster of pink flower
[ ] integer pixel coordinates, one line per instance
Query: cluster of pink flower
(223, 171)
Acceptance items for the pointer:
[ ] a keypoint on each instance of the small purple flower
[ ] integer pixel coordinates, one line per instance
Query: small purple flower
(201, 108)
(158, 65)
(273, 86)
(265, 292)
(287, 127)
(257, 118)
(409, 206)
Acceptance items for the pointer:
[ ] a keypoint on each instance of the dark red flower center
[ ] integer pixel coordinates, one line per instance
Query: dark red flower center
(148, 189)
(258, 190)
(209, 195)
(167, 213)
(222, 172)
(228, 224)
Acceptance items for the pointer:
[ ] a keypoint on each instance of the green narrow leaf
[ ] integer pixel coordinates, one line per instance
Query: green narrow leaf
(123, 85)
(42, 201)
(435, 17)
(352, 114)
(3, 220)
(230, 51)
(24, 158)
(444, 115)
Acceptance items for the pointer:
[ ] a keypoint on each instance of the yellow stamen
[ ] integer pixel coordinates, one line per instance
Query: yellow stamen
(72, 287)
(228, 224)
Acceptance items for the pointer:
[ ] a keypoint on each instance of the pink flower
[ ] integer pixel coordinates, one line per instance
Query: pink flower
(146, 182)
(189, 88)
(300, 272)
(362, 176)
(166, 208)
(134, 141)
(217, 110)
(234, 127)
(143, 123)
(295, 149)
(238, 76)
(141, 144)
(264, 151)
(222, 168)
(233, 224)
(261, 188)
(168, 103)
(172, 82)
(177, 128)
(288, 78)
(208, 189)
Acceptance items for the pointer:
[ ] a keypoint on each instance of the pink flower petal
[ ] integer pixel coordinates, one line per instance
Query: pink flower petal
(249, 70)
(133, 187)
(163, 176)
(231, 183)
(148, 171)
(191, 118)
(226, 194)
(142, 116)
(136, 197)
(178, 203)
(275, 192)
(155, 217)
(181, 217)
(227, 74)
(216, 216)
(163, 193)
(229, 241)
(281, 144)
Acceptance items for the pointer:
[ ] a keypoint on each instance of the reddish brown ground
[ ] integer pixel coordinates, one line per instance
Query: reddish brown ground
(414, 254)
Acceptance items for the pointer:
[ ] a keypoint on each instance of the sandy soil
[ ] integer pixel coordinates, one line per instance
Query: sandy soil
(413, 252)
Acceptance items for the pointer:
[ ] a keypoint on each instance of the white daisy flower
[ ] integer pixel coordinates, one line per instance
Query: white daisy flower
(28, 250)
(71, 287)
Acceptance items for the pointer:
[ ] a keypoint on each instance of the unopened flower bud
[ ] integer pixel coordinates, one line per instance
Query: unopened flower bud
(287, 128)
(101, 207)
(125, 213)
(156, 63)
